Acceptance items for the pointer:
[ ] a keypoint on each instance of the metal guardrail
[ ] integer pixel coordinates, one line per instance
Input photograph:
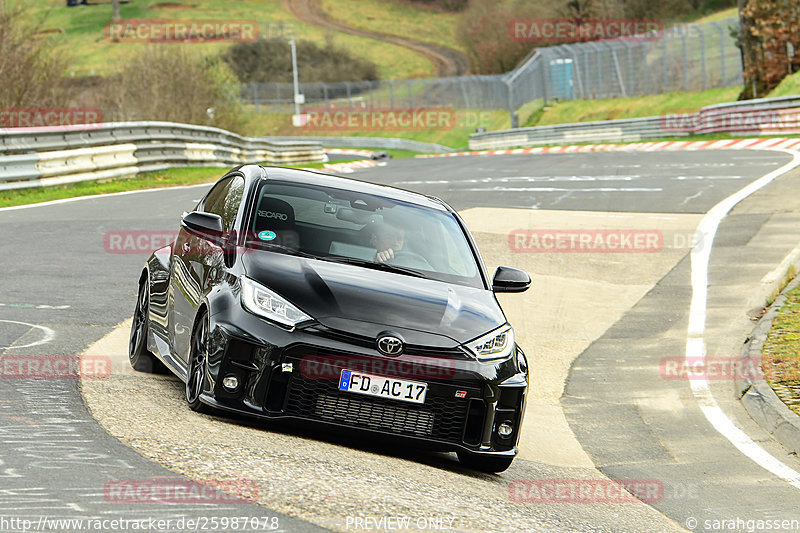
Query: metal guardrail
(386, 143)
(630, 130)
(32, 158)
(764, 116)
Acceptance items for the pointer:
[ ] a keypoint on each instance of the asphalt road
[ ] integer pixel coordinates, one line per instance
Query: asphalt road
(659, 182)
(61, 282)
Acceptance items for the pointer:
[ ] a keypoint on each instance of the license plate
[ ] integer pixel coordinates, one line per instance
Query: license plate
(381, 387)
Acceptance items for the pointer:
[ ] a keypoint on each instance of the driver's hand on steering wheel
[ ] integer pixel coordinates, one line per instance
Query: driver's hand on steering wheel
(385, 255)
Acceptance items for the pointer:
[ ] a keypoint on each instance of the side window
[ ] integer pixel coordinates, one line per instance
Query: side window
(231, 203)
(216, 198)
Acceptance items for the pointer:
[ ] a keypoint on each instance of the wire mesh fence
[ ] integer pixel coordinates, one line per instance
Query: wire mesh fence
(679, 59)
(464, 92)
(684, 58)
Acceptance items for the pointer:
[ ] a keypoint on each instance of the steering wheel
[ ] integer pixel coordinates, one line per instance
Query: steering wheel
(406, 258)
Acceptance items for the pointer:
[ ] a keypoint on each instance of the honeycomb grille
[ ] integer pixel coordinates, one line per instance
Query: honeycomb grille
(374, 415)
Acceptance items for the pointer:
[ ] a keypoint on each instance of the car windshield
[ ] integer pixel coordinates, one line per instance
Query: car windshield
(361, 229)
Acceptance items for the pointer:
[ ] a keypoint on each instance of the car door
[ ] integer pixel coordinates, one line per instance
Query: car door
(187, 275)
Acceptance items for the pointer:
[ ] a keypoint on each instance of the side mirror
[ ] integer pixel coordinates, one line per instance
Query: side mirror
(207, 225)
(507, 279)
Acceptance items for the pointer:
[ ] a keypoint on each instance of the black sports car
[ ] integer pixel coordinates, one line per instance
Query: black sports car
(298, 295)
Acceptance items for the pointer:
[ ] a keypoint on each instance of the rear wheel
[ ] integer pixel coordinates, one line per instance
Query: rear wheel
(485, 463)
(140, 357)
(196, 376)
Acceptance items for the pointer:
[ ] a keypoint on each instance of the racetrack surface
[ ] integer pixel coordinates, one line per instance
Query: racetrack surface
(630, 423)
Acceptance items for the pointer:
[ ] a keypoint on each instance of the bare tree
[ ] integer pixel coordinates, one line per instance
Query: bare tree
(31, 69)
(769, 35)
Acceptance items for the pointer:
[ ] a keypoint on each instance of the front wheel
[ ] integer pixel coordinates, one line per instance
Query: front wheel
(198, 355)
(485, 463)
(140, 357)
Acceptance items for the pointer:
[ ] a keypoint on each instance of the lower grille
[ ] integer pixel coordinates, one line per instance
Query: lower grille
(372, 414)
(441, 417)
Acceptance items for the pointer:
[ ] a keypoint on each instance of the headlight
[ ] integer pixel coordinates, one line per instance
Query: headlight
(499, 344)
(263, 302)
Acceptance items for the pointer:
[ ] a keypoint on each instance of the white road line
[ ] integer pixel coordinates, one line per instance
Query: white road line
(49, 335)
(692, 197)
(561, 189)
(695, 342)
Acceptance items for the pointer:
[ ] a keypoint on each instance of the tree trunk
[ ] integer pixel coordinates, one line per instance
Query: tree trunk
(750, 47)
(116, 15)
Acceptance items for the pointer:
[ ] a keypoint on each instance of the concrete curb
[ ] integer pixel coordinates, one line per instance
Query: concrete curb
(760, 401)
(654, 146)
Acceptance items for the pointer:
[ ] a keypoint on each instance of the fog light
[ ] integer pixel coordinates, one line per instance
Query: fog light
(230, 382)
(505, 429)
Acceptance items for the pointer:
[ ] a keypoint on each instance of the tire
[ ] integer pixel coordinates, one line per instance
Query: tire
(196, 375)
(140, 357)
(485, 463)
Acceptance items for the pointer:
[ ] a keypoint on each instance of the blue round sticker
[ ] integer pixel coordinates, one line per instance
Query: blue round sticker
(267, 235)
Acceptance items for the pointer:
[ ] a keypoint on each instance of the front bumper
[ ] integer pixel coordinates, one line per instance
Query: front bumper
(294, 376)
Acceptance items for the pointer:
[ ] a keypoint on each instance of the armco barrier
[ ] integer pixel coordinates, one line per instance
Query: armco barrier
(630, 130)
(52, 156)
(766, 116)
(385, 143)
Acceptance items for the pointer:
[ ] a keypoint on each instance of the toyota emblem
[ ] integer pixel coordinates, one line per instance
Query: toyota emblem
(389, 345)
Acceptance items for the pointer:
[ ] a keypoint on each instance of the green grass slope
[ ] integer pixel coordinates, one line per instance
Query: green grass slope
(80, 31)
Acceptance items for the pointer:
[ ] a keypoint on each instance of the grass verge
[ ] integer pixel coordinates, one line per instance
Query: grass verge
(781, 352)
(790, 85)
(173, 177)
(571, 111)
(149, 180)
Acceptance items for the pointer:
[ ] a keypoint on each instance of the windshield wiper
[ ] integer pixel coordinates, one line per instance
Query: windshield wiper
(374, 265)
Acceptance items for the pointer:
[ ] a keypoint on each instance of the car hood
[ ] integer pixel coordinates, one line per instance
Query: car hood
(368, 302)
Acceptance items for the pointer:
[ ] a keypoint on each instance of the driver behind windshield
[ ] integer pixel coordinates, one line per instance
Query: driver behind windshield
(387, 239)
